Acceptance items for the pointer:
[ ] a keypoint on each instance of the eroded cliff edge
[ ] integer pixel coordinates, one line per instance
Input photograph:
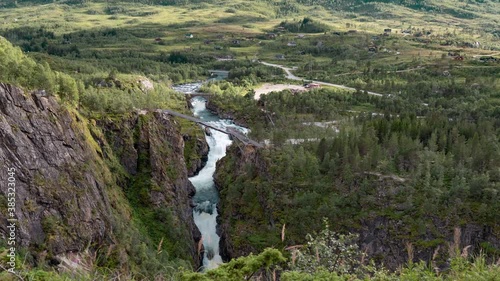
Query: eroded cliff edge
(108, 185)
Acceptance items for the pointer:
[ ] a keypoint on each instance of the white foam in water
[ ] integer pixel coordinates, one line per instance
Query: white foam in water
(206, 198)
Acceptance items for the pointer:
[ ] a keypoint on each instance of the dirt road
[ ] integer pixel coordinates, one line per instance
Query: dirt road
(291, 76)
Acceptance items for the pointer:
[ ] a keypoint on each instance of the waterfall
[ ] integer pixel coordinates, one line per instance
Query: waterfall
(207, 196)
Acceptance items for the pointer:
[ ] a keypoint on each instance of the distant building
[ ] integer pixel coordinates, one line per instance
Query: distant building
(272, 35)
(291, 44)
(189, 35)
(406, 32)
(312, 86)
(224, 58)
(280, 56)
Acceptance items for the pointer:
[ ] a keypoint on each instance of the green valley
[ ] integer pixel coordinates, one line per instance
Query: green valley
(378, 123)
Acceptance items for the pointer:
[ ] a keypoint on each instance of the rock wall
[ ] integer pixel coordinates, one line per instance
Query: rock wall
(76, 178)
(151, 149)
(200, 147)
(61, 187)
(236, 161)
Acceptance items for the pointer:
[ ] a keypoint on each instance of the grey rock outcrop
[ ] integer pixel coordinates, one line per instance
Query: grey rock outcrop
(151, 148)
(76, 179)
(62, 204)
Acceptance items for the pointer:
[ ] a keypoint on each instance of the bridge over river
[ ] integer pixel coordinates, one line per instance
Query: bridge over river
(230, 131)
(197, 94)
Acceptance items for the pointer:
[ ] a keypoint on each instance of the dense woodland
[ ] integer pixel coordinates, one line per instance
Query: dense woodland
(421, 161)
(443, 170)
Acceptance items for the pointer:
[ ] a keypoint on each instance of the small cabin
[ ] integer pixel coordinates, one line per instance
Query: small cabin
(189, 35)
(312, 86)
(224, 58)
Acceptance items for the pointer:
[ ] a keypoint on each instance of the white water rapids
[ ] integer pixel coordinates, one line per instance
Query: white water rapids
(207, 196)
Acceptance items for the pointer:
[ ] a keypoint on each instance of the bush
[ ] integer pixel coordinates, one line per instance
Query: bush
(327, 251)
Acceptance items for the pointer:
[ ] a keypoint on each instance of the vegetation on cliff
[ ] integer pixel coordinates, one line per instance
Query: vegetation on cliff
(414, 173)
(103, 187)
(329, 256)
(417, 178)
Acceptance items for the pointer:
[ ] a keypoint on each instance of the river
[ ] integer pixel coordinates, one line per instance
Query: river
(207, 195)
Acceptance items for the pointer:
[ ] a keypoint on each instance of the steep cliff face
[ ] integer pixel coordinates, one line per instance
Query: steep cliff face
(230, 214)
(195, 152)
(252, 213)
(151, 149)
(61, 187)
(86, 183)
